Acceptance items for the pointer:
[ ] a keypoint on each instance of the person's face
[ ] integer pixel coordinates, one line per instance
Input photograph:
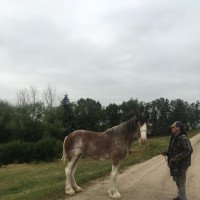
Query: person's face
(175, 129)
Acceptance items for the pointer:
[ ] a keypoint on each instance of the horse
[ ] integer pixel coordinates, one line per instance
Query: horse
(112, 144)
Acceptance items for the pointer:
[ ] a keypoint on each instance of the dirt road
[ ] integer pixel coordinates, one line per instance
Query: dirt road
(149, 180)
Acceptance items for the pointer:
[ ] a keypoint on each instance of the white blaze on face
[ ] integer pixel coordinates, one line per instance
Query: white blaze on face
(143, 132)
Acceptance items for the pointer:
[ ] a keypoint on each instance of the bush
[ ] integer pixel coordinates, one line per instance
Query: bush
(46, 149)
(16, 151)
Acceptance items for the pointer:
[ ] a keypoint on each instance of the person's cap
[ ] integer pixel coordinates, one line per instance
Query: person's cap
(177, 124)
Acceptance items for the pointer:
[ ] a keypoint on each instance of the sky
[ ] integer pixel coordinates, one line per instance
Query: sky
(109, 51)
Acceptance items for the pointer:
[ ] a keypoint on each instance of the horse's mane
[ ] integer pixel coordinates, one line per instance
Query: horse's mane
(124, 128)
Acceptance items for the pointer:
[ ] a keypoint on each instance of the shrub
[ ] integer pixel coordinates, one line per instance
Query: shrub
(46, 149)
(16, 151)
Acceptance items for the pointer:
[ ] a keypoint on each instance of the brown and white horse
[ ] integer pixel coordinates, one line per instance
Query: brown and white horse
(111, 144)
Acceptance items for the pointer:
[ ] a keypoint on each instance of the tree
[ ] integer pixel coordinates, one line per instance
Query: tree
(50, 96)
(23, 97)
(6, 117)
(178, 111)
(68, 117)
(28, 122)
(130, 108)
(53, 124)
(88, 114)
(153, 117)
(160, 116)
(27, 96)
(197, 113)
(193, 113)
(113, 115)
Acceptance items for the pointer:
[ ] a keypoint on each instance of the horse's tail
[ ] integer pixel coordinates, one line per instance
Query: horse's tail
(64, 155)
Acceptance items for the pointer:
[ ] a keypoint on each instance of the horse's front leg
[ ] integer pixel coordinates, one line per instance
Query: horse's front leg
(112, 189)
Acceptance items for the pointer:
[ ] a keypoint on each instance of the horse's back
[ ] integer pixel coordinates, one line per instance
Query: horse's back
(79, 138)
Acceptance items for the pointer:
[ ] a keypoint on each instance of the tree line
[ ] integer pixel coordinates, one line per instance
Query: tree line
(30, 120)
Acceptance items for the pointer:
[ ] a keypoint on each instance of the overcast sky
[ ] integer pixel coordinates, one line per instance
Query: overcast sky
(107, 50)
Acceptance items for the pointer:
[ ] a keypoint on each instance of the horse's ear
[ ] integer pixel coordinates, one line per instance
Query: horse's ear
(138, 116)
(147, 115)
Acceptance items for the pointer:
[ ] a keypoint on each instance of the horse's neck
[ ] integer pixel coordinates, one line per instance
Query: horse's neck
(130, 137)
(121, 131)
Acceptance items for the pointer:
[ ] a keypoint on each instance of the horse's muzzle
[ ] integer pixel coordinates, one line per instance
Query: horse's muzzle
(143, 141)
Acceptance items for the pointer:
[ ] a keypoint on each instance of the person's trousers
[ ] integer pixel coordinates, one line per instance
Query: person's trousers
(180, 182)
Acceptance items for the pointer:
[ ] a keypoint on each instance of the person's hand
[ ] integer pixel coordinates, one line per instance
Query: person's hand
(172, 162)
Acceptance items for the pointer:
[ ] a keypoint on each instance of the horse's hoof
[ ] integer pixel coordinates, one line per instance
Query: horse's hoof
(70, 191)
(116, 195)
(110, 193)
(78, 189)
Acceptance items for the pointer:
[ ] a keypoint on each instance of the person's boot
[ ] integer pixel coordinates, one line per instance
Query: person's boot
(177, 198)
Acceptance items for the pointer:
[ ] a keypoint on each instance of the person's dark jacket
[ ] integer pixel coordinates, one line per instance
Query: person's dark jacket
(179, 152)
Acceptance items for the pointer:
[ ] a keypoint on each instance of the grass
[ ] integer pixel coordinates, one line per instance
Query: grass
(42, 181)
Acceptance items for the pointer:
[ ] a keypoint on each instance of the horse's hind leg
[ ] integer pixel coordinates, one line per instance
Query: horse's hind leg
(73, 181)
(112, 189)
(68, 173)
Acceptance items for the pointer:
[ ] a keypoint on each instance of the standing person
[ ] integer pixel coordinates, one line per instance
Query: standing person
(179, 157)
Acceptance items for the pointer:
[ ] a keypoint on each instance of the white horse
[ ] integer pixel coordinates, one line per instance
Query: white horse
(111, 144)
